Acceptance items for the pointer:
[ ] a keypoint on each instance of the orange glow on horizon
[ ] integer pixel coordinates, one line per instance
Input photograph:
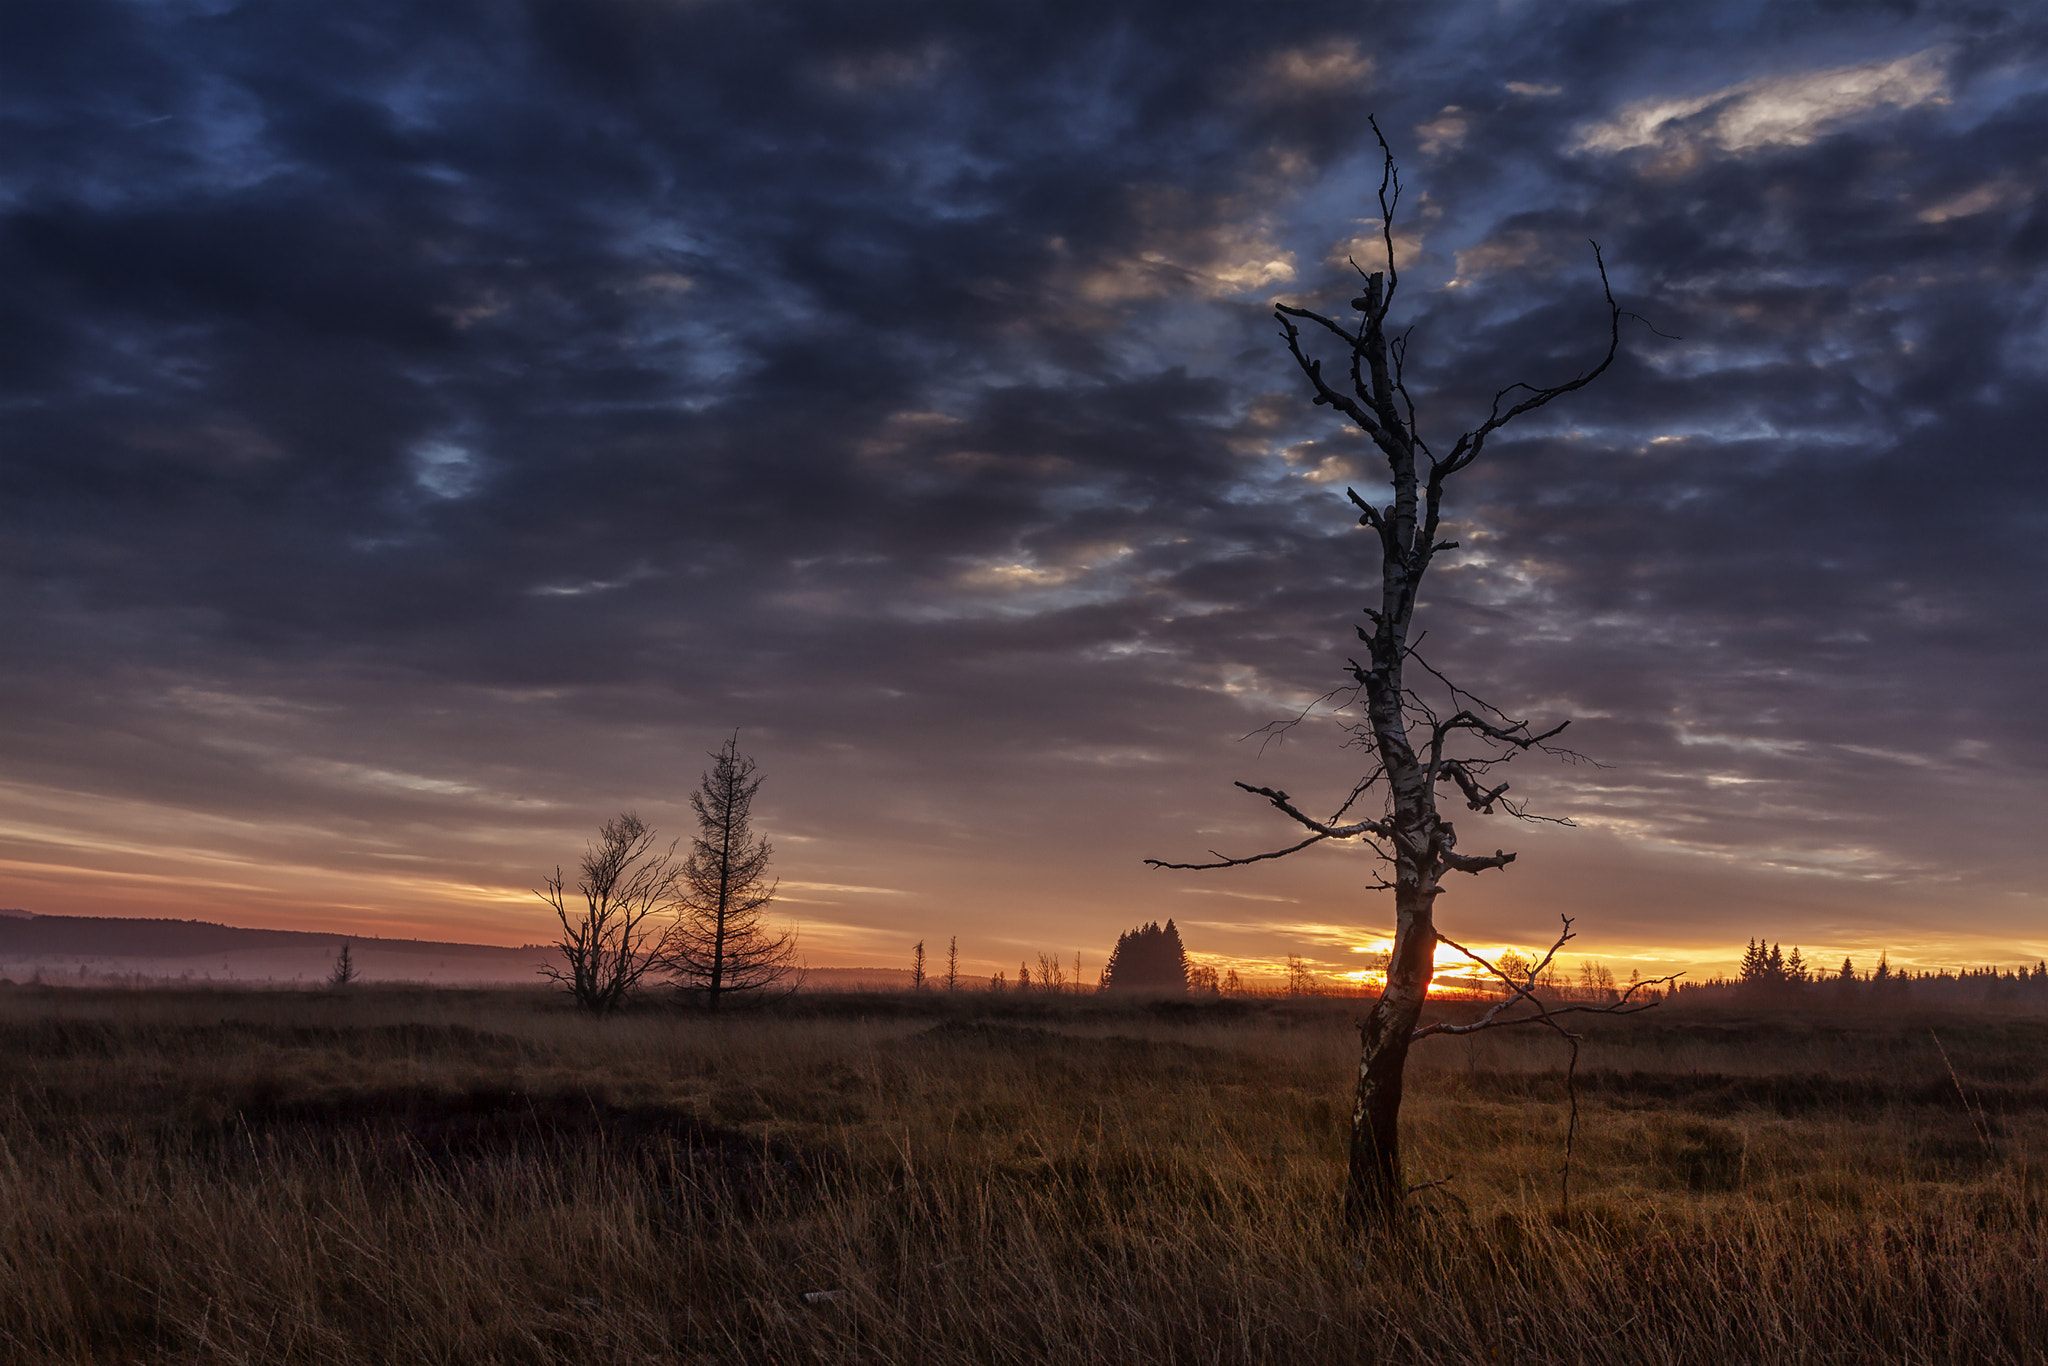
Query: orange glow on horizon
(381, 885)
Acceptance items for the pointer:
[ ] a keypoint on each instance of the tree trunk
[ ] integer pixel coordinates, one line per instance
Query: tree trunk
(1375, 1187)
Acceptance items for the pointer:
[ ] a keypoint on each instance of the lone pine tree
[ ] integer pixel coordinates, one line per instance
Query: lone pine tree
(719, 944)
(1417, 744)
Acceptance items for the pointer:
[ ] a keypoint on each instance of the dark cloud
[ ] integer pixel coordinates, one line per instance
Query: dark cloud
(429, 430)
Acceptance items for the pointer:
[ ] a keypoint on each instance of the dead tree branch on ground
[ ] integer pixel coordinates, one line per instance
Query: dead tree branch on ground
(1546, 1015)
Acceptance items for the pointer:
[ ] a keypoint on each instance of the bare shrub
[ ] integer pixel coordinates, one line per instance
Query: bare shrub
(613, 940)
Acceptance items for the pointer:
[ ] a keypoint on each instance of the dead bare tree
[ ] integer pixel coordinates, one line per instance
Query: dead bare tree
(718, 944)
(1417, 744)
(613, 940)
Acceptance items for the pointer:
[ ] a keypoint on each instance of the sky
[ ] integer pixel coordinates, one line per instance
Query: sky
(426, 431)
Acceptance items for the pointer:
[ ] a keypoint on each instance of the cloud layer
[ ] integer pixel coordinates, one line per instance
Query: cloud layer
(429, 430)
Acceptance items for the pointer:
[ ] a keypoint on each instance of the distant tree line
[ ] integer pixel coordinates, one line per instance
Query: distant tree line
(1768, 973)
(1152, 958)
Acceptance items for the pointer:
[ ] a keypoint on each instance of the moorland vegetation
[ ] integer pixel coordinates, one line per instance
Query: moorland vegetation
(389, 1174)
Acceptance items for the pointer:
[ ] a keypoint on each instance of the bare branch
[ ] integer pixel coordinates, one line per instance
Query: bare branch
(1565, 935)
(1442, 1184)
(1274, 730)
(1324, 830)
(1398, 348)
(1476, 799)
(1466, 863)
(1522, 813)
(1468, 446)
(1314, 368)
(1466, 720)
(1524, 990)
(1225, 861)
(1364, 785)
(1667, 336)
(1414, 652)
(1368, 516)
(1390, 198)
(1463, 771)
(1282, 802)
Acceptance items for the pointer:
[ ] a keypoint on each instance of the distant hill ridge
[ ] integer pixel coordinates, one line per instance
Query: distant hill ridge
(25, 933)
(150, 945)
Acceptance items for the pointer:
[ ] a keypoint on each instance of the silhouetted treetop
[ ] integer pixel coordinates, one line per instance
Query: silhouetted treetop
(1147, 958)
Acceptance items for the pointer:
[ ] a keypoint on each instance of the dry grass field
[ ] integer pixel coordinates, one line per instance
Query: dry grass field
(416, 1176)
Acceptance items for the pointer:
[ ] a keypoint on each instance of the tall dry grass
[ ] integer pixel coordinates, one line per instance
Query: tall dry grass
(472, 1177)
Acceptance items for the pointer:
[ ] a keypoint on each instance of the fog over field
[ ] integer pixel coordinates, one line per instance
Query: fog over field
(82, 950)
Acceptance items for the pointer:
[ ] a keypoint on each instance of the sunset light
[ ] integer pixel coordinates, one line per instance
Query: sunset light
(385, 512)
(687, 681)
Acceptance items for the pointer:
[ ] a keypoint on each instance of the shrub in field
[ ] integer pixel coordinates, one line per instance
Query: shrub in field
(611, 942)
